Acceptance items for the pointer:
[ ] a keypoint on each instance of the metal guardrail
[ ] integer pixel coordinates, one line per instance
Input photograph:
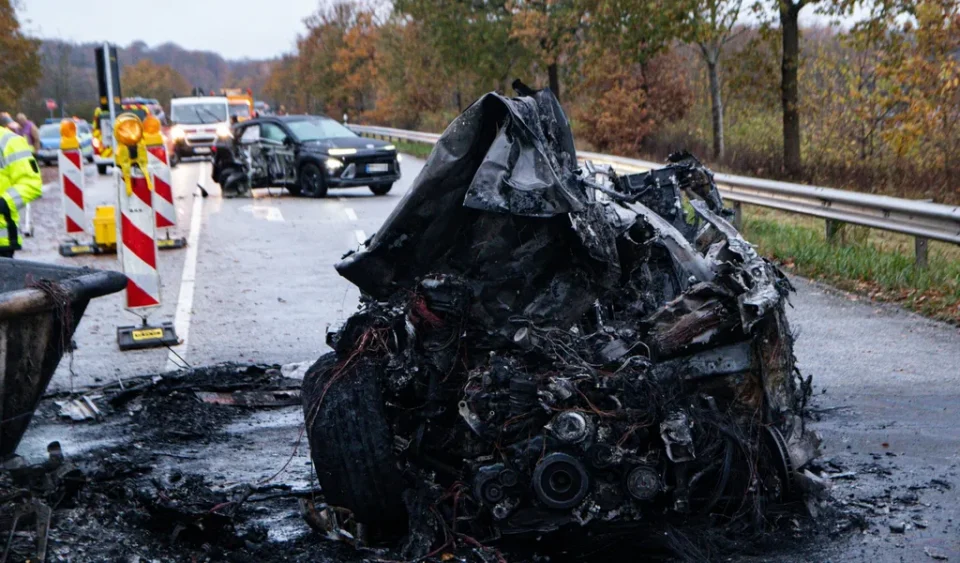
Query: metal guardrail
(922, 220)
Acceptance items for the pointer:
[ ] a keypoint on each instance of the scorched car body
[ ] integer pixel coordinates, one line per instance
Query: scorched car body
(544, 346)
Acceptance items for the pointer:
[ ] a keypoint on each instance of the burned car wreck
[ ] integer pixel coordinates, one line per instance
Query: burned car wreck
(542, 346)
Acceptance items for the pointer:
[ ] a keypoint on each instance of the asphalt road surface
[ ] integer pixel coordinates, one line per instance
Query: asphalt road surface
(257, 284)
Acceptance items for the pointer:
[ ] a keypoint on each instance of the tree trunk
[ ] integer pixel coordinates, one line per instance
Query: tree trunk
(552, 71)
(789, 87)
(716, 102)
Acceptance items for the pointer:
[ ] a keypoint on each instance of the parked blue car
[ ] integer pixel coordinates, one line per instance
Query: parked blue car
(50, 142)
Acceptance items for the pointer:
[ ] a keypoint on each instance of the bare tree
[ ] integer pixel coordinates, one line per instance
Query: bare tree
(711, 28)
(789, 82)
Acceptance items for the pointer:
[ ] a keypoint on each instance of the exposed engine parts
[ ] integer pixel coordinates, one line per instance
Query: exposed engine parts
(542, 346)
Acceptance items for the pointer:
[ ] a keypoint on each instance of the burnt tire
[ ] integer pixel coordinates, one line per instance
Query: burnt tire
(351, 443)
(381, 189)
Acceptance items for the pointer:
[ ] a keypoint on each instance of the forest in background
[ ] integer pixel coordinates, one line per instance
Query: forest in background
(873, 105)
(68, 75)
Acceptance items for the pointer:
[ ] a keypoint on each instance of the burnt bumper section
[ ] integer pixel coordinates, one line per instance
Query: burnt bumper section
(544, 347)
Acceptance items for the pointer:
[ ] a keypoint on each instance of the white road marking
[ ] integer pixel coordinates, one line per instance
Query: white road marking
(351, 214)
(267, 212)
(181, 320)
(361, 236)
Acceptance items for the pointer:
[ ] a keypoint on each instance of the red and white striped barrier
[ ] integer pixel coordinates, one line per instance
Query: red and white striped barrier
(70, 162)
(138, 246)
(159, 168)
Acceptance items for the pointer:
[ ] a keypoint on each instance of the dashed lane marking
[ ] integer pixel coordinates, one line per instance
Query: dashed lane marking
(351, 214)
(361, 236)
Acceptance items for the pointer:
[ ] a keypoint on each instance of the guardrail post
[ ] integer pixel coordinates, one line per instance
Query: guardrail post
(920, 248)
(834, 228)
(738, 215)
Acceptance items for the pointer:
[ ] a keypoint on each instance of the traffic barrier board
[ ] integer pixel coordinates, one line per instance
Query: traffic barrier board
(138, 247)
(159, 167)
(70, 162)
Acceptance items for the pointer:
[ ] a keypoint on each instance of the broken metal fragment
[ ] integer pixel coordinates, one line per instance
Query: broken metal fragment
(79, 409)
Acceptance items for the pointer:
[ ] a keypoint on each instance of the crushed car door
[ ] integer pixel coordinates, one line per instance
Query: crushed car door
(252, 150)
(278, 152)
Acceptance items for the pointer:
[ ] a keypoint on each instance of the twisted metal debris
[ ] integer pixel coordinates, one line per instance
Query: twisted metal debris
(543, 347)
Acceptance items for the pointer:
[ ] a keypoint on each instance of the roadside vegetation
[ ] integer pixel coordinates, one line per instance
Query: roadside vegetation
(419, 150)
(867, 262)
(873, 104)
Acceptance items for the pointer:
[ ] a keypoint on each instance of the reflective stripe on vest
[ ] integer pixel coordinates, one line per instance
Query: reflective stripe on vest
(5, 140)
(6, 160)
(16, 197)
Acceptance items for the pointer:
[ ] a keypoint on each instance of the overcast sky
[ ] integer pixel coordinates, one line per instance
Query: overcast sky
(234, 28)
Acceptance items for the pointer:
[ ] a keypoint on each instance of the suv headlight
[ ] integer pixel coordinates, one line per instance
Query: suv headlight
(177, 133)
(334, 164)
(223, 131)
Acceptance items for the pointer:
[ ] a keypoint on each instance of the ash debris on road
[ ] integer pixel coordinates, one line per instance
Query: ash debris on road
(542, 347)
(151, 493)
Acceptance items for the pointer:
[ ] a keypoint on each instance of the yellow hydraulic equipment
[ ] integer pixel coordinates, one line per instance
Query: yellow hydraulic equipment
(105, 227)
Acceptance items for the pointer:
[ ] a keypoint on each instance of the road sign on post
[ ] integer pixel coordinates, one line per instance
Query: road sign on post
(108, 83)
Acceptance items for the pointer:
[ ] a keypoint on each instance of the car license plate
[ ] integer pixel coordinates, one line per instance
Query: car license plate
(202, 150)
(378, 168)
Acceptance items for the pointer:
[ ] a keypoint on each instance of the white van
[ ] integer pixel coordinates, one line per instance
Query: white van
(197, 123)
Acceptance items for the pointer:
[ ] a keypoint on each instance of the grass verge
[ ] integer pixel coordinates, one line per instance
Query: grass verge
(878, 265)
(419, 150)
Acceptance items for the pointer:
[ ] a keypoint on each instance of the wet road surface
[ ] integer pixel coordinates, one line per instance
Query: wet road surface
(886, 382)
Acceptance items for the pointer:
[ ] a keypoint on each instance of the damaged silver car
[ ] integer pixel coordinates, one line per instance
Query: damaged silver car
(543, 346)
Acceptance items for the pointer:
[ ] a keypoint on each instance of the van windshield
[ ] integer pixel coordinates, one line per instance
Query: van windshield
(198, 113)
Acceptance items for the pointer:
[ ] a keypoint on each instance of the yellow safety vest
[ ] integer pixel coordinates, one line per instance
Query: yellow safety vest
(20, 183)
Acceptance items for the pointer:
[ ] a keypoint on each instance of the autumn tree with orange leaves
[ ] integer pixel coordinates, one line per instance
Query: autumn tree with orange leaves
(150, 80)
(19, 60)
(548, 29)
(877, 100)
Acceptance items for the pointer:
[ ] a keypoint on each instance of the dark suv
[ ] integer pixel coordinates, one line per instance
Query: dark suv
(306, 154)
